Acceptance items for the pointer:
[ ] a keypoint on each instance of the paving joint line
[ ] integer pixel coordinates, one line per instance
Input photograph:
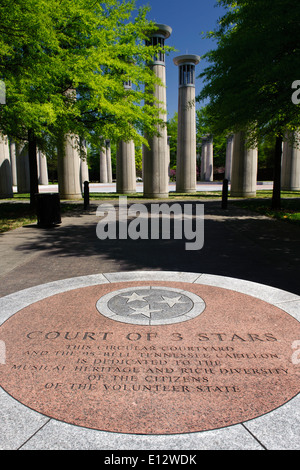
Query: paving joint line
(104, 275)
(254, 437)
(34, 434)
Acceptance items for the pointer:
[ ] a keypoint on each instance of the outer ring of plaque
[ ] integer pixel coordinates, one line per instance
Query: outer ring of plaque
(197, 309)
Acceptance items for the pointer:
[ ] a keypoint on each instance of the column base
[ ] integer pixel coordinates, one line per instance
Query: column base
(156, 196)
(126, 191)
(71, 197)
(291, 188)
(186, 190)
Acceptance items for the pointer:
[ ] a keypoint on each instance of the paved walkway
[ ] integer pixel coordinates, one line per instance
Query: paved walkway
(237, 244)
(242, 252)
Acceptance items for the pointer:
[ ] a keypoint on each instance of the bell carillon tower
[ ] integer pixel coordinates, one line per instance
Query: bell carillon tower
(156, 158)
(186, 174)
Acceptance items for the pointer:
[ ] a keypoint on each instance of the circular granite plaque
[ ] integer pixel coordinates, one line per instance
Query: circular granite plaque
(151, 358)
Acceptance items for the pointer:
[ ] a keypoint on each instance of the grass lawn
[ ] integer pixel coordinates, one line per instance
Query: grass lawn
(172, 196)
(17, 212)
(290, 205)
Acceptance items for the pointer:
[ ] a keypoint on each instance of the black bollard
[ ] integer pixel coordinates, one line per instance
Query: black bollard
(225, 194)
(86, 194)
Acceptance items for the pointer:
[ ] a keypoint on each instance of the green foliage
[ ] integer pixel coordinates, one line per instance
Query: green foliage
(289, 212)
(266, 152)
(50, 47)
(204, 124)
(172, 126)
(251, 71)
(139, 160)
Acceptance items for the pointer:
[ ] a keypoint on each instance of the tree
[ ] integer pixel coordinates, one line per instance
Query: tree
(51, 47)
(172, 126)
(139, 160)
(204, 128)
(251, 72)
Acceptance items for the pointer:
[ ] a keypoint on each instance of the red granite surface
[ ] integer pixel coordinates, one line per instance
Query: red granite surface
(231, 364)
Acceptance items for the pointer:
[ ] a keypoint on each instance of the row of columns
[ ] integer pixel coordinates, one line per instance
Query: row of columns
(241, 165)
(290, 171)
(207, 159)
(6, 183)
(241, 162)
(240, 169)
(14, 167)
(105, 163)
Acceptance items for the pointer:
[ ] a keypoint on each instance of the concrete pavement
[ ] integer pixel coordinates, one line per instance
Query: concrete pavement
(250, 254)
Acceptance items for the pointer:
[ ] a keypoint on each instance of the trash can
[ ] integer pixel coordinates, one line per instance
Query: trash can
(48, 209)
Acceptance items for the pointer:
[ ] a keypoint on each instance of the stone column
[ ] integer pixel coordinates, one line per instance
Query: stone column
(203, 158)
(169, 156)
(290, 170)
(244, 168)
(228, 163)
(6, 188)
(108, 161)
(68, 161)
(186, 171)
(155, 171)
(198, 161)
(209, 168)
(103, 165)
(23, 174)
(68, 166)
(42, 168)
(126, 170)
(13, 162)
(84, 169)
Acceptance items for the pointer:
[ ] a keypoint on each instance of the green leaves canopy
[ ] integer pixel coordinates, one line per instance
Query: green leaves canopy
(257, 58)
(48, 47)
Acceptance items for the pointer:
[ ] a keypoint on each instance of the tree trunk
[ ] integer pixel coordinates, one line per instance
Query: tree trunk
(32, 150)
(276, 199)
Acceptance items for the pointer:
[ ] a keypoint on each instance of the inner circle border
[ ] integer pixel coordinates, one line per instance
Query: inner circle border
(278, 429)
(198, 308)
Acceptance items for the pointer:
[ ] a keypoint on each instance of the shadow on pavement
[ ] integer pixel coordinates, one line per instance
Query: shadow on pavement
(236, 244)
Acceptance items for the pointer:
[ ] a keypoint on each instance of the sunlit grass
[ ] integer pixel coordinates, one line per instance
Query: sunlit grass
(14, 215)
(290, 205)
(17, 212)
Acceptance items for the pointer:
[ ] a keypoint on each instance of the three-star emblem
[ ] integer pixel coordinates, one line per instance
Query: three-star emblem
(147, 310)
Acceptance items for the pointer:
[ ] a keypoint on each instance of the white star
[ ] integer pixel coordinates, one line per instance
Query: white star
(146, 311)
(134, 296)
(171, 301)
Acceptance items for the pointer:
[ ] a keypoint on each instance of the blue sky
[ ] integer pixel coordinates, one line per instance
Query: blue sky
(188, 19)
